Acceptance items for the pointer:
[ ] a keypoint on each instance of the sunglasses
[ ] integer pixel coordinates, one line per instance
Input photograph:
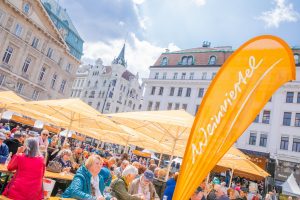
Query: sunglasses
(45, 134)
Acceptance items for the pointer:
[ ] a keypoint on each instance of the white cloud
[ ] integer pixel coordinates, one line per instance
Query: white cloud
(200, 2)
(283, 12)
(139, 57)
(138, 1)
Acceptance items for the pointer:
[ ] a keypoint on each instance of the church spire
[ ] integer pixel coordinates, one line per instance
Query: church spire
(121, 58)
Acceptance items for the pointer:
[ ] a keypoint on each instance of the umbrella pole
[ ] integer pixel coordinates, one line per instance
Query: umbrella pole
(232, 170)
(69, 128)
(207, 178)
(160, 157)
(170, 163)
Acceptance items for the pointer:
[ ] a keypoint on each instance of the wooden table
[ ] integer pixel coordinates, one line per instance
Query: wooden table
(48, 174)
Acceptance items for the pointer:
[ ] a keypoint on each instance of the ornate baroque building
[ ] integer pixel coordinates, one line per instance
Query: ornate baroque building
(37, 58)
(108, 89)
(179, 80)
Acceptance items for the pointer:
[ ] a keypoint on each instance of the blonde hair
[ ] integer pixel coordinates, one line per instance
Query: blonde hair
(90, 161)
(65, 152)
(162, 173)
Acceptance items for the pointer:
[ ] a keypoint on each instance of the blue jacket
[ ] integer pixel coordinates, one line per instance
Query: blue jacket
(3, 153)
(169, 191)
(105, 173)
(80, 187)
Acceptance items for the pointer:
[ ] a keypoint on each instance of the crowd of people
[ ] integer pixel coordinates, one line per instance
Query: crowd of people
(99, 174)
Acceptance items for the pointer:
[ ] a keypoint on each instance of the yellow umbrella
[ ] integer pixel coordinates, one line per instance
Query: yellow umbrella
(241, 164)
(169, 128)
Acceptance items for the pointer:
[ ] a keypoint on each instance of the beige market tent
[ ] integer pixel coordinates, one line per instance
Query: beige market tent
(240, 164)
(170, 129)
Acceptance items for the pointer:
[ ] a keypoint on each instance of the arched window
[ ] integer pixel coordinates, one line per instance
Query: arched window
(26, 8)
(212, 60)
(164, 61)
(184, 60)
(297, 59)
(190, 60)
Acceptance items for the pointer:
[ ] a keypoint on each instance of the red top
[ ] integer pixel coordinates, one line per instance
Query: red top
(28, 179)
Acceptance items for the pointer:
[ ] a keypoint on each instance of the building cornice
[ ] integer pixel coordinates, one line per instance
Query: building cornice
(61, 43)
(185, 66)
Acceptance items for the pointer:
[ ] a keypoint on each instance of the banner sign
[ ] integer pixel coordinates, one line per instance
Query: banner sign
(242, 87)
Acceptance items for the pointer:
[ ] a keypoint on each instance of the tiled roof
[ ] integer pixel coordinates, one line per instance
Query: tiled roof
(127, 75)
(201, 57)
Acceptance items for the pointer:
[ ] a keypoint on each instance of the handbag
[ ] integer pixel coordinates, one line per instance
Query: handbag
(54, 166)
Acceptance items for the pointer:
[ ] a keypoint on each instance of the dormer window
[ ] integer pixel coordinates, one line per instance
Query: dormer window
(187, 60)
(297, 59)
(164, 61)
(212, 60)
(184, 60)
(190, 60)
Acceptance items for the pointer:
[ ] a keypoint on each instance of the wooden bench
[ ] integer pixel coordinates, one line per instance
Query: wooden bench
(51, 198)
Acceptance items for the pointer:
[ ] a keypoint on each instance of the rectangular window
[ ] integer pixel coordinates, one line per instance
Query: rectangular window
(68, 67)
(284, 143)
(172, 91)
(263, 140)
(175, 75)
(18, 30)
(204, 74)
(19, 87)
(183, 76)
(179, 92)
(49, 53)
(90, 103)
(153, 90)
(196, 110)
(184, 106)
(35, 95)
(156, 75)
(2, 78)
(201, 92)
(188, 92)
(297, 120)
(213, 75)
(177, 106)
(149, 105)
(26, 65)
(256, 120)
(98, 105)
(7, 54)
(117, 109)
(62, 86)
(266, 117)
(42, 73)
(287, 116)
(35, 42)
(54, 77)
(164, 75)
(298, 97)
(191, 76)
(157, 106)
(169, 106)
(296, 145)
(252, 138)
(289, 97)
(107, 106)
(161, 91)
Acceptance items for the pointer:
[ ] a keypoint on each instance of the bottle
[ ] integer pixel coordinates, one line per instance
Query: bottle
(8, 158)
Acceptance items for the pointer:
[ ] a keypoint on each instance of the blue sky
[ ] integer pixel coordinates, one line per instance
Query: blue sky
(151, 26)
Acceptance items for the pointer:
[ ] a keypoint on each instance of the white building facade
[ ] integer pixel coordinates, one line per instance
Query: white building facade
(179, 80)
(109, 89)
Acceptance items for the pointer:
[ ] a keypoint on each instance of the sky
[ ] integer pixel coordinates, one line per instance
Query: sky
(149, 27)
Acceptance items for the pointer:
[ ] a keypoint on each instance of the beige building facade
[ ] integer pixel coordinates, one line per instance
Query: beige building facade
(35, 59)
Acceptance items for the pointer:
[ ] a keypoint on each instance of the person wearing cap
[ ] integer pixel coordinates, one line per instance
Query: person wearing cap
(143, 186)
(15, 143)
(3, 148)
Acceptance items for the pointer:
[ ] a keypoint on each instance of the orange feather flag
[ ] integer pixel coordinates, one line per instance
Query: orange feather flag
(242, 87)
